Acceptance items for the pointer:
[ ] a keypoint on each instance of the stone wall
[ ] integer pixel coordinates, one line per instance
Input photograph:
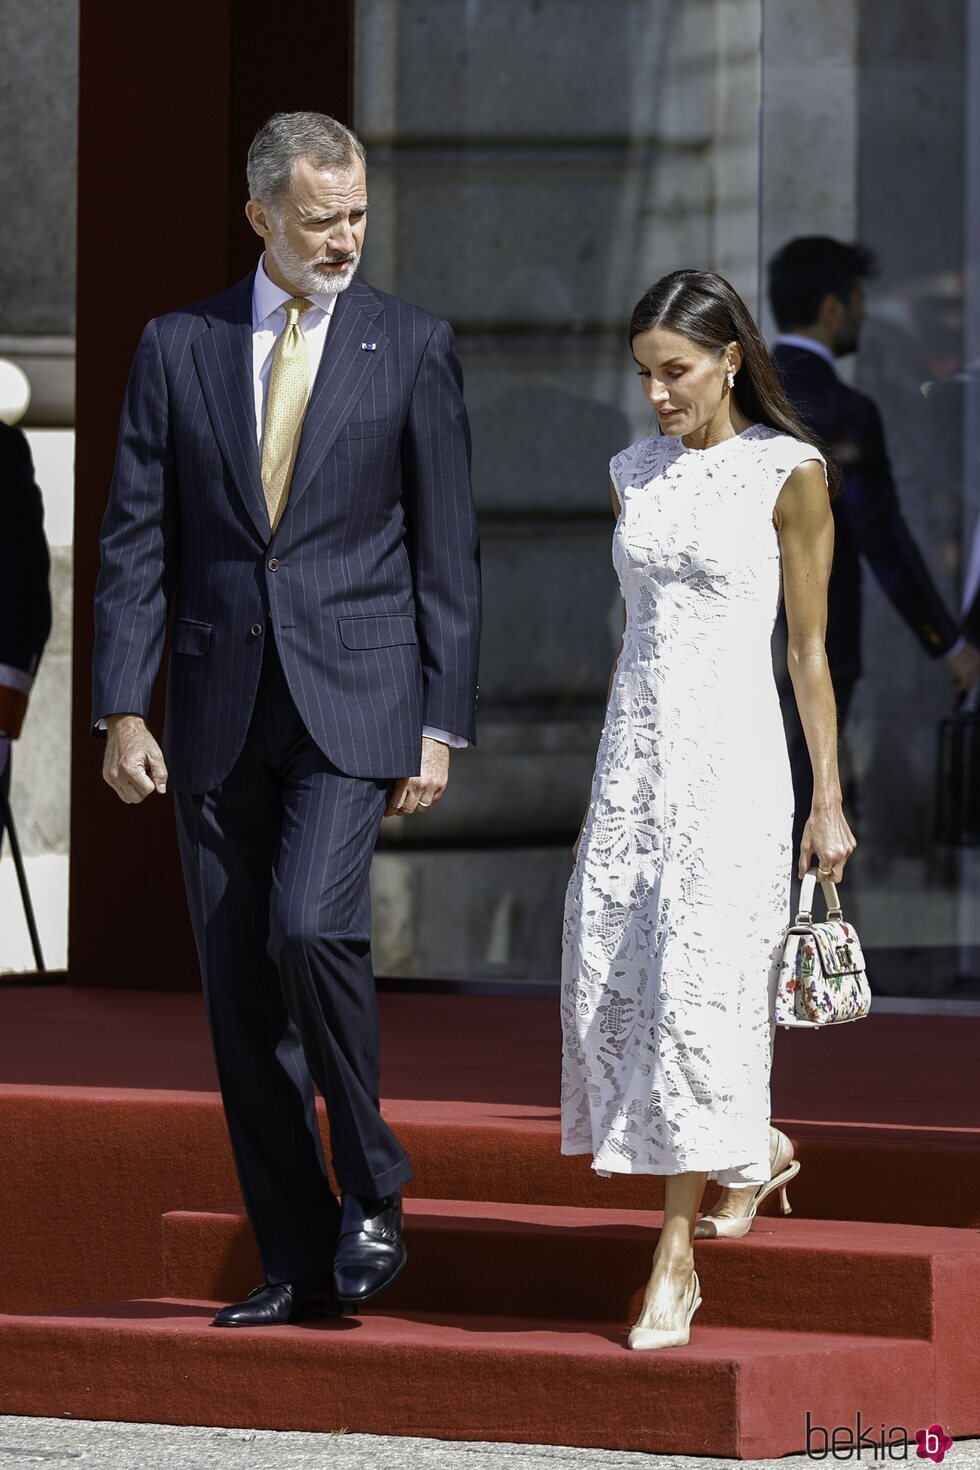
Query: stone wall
(533, 167)
(865, 140)
(911, 111)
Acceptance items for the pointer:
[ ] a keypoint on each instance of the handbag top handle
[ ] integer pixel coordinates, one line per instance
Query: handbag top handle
(807, 890)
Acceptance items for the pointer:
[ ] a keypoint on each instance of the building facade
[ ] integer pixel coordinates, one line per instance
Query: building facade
(534, 165)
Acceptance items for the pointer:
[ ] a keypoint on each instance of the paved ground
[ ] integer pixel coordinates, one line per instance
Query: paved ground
(25, 1443)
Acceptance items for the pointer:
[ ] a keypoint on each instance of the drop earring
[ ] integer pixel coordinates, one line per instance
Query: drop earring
(731, 378)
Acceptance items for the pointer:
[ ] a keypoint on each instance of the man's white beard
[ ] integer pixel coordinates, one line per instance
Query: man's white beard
(303, 274)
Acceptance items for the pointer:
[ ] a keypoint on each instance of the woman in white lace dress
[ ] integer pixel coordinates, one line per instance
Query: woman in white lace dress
(680, 891)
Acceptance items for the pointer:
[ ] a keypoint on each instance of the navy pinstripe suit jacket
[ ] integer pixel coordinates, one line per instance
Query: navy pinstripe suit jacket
(371, 582)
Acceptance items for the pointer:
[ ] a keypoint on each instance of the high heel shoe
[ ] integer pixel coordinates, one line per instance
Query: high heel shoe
(641, 1338)
(734, 1227)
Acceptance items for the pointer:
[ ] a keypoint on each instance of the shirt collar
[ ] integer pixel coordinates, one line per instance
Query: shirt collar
(806, 344)
(267, 297)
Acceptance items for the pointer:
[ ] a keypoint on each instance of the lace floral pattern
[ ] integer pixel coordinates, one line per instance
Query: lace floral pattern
(680, 892)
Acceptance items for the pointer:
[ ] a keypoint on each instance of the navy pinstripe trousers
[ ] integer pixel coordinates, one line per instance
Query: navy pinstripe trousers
(276, 861)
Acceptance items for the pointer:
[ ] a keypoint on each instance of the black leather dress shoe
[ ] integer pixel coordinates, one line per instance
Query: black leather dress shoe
(370, 1249)
(285, 1301)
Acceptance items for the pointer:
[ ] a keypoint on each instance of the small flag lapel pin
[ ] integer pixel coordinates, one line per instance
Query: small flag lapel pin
(369, 346)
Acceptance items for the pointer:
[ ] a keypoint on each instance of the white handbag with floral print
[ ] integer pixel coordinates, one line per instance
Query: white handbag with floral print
(822, 980)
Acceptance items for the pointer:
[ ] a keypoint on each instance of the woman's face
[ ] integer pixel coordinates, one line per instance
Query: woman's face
(685, 383)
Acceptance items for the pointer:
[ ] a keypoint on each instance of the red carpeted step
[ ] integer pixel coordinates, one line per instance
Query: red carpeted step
(893, 1313)
(913, 1177)
(88, 1173)
(736, 1392)
(508, 1260)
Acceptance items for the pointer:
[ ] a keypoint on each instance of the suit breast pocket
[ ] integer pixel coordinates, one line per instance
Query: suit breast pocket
(190, 637)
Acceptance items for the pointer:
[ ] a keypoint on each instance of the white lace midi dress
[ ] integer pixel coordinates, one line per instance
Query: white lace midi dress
(680, 891)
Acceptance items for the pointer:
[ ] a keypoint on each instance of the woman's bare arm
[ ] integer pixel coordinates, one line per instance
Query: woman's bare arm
(805, 524)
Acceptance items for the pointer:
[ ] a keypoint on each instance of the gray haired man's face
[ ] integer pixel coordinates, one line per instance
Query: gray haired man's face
(314, 233)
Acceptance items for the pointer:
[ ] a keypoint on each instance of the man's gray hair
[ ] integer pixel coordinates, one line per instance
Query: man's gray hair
(288, 136)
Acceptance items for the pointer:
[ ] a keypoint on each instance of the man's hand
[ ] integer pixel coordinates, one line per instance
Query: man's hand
(417, 793)
(965, 666)
(133, 766)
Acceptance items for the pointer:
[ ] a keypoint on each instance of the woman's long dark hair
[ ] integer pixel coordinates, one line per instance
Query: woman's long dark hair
(707, 309)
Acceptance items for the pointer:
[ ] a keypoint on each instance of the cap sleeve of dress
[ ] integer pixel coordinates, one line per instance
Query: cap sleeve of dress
(619, 469)
(635, 465)
(794, 453)
(787, 455)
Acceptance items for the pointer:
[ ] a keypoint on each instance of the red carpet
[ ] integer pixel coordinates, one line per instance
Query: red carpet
(525, 1269)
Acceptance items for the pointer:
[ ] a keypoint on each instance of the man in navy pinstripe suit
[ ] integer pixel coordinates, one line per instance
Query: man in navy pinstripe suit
(323, 661)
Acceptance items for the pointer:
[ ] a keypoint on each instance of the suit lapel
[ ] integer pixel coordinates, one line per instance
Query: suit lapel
(345, 370)
(223, 358)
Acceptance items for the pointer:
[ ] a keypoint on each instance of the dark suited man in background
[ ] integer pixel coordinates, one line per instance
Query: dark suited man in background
(293, 478)
(25, 600)
(816, 293)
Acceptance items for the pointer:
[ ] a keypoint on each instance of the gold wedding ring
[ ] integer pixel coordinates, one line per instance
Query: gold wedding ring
(826, 871)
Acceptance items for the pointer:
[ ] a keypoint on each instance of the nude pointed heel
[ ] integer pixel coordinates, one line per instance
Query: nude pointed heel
(736, 1228)
(643, 1338)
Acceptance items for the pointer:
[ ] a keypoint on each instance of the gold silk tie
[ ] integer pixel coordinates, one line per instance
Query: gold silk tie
(288, 395)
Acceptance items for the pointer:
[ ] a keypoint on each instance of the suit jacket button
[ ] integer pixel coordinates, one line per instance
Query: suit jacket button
(274, 564)
(256, 629)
